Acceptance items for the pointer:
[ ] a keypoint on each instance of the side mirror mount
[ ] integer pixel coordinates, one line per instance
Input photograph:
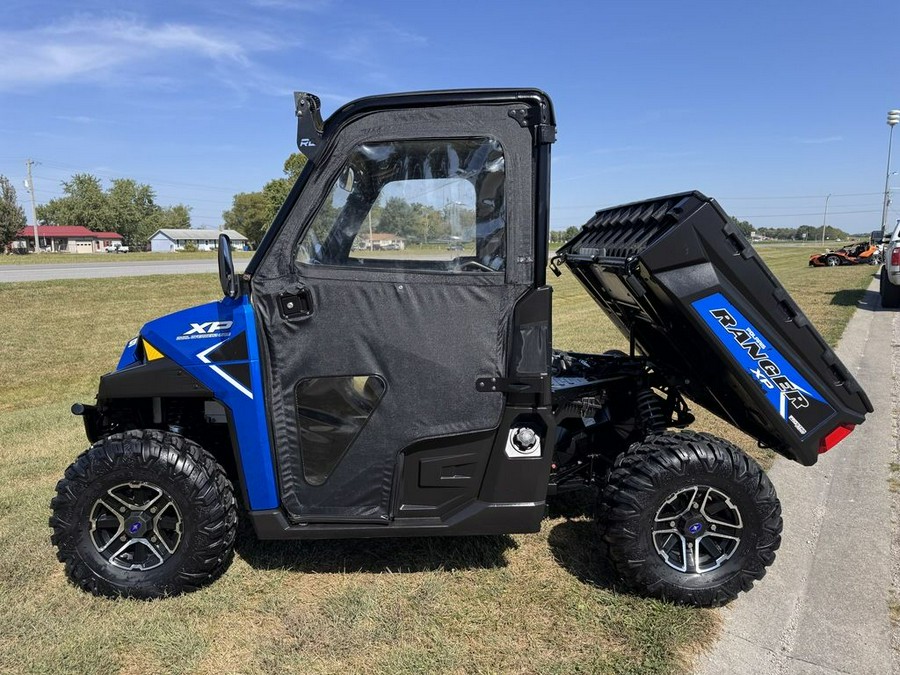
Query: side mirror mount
(309, 123)
(226, 268)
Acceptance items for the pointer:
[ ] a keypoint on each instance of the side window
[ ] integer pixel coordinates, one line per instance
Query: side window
(435, 205)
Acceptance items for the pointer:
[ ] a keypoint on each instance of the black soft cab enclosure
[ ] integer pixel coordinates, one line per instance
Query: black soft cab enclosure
(690, 292)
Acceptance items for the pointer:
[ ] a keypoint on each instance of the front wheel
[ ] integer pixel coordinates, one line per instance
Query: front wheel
(832, 261)
(690, 518)
(144, 514)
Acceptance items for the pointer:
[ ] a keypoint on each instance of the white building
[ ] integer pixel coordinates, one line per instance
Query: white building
(164, 241)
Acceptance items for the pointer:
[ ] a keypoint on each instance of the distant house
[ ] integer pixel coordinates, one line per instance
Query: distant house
(65, 239)
(164, 241)
(382, 241)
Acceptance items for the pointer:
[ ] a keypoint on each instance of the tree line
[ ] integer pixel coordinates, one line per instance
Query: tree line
(802, 233)
(126, 207)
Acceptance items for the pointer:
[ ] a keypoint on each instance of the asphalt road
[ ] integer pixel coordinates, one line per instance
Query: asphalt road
(99, 270)
(823, 606)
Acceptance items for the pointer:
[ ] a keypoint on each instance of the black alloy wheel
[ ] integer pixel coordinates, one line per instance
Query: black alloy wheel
(144, 514)
(688, 517)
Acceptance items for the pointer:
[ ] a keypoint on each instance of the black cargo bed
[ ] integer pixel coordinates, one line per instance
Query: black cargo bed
(681, 281)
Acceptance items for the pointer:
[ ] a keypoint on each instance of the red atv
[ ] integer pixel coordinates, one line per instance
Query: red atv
(852, 254)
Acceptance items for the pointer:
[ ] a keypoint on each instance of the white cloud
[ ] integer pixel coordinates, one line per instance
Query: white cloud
(820, 140)
(77, 119)
(92, 49)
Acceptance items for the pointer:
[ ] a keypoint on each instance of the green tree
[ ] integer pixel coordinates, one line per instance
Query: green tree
(277, 189)
(293, 166)
(176, 217)
(399, 217)
(250, 215)
(84, 204)
(12, 217)
(133, 210)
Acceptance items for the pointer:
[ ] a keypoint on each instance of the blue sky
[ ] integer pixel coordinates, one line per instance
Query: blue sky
(767, 106)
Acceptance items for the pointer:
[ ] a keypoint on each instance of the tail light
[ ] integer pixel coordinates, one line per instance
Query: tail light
(895, 255)
(835, 436)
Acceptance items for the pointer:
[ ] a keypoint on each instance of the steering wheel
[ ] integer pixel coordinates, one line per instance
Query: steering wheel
(474, 264)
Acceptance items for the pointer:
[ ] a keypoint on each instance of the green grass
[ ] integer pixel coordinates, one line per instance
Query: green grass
(80, 258)
(508, 604)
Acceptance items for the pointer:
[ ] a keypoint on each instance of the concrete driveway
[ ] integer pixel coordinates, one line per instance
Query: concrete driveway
(824, 605)
(96, 270)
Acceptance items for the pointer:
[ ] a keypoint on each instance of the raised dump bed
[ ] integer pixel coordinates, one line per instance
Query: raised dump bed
(691, 293)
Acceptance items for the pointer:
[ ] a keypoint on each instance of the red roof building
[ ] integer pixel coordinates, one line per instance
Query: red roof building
(65, 238)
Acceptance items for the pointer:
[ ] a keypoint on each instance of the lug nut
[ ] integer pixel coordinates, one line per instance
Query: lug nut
(152, 509)
(696, 505)
(712, 527)
(153, 539)
(672, 524)
(121, 509)
(123, 538)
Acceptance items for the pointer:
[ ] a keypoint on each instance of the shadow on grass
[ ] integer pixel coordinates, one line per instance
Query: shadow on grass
(862, 299)
(573, 544)
(396, 555)
(576, 504)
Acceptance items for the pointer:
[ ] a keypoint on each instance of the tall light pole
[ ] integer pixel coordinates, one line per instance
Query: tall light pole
(824, 216)
(893, 118)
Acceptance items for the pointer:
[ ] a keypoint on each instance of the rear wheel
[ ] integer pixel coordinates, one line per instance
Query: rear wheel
(890, 294)
(144, 514)
(689, 517)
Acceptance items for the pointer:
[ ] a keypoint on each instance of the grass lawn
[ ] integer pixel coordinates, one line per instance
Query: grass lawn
(509, 604)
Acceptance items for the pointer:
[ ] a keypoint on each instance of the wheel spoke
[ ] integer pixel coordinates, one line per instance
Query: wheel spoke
(129, 500)
(133, 555)
(711, 546)
(722, 503)
(680, 513)
(167, 527)
(665, 548)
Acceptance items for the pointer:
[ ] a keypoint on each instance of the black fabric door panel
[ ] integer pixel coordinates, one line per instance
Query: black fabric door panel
(429, 341)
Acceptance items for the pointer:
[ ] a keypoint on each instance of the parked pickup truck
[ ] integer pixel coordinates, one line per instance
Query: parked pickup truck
(116, 248)
(890, 271)
(339, 393)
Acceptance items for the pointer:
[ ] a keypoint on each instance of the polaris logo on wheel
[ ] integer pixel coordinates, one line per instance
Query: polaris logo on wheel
(207, 329)
(796, 400)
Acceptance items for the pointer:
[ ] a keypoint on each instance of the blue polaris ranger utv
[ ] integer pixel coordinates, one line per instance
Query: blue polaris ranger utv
(384, 368)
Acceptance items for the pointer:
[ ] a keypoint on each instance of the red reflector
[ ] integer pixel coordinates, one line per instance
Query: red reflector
(835, 437)
(895, 256)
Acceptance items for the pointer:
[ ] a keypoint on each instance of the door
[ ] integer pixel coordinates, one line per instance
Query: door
(388, 292)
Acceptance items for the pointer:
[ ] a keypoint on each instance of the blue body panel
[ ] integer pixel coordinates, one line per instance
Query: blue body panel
(129, 354)
(790, 394)
(186, 337)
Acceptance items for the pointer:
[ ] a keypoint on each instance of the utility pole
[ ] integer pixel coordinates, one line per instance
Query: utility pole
(28, 164)
(824, 216)
(893, 118)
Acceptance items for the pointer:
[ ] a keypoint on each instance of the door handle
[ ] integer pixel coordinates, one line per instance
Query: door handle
(295, 305)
